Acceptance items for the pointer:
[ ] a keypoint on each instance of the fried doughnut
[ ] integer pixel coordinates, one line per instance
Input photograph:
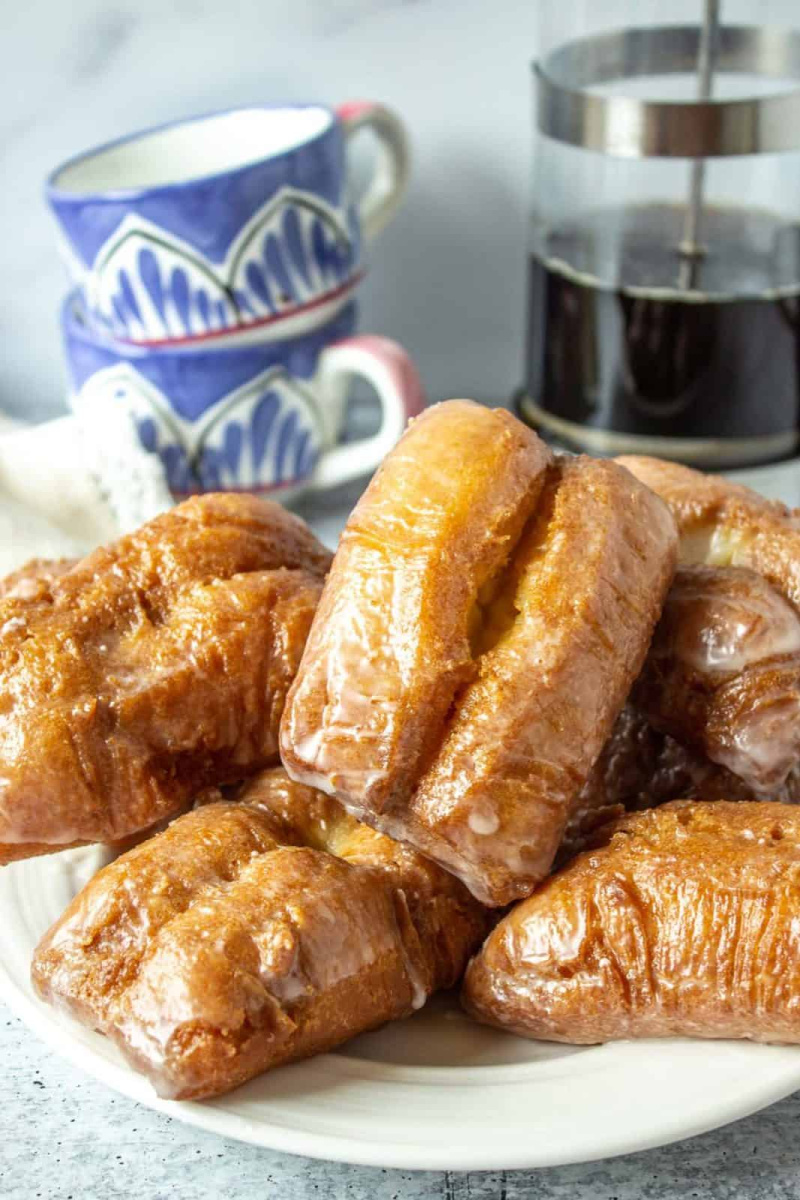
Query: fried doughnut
(746, 721)
(638, 768)
(486, 614)
(723, 673)
(684, 922)
(723, 524)
(150, 669)
(641, 767)
(29, 582)
(251, 933)
(35, 576)
(391, 647)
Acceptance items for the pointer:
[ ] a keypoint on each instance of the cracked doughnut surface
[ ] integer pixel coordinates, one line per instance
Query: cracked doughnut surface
(641, 767)
(253, 932)
(685, 921)
(148, 670)
(723, 673)
(486, 614)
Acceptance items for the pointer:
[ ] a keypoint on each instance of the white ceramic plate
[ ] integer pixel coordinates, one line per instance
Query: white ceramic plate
(435, 1091)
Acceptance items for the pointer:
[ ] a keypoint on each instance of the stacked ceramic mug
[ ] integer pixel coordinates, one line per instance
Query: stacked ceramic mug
(214, 264)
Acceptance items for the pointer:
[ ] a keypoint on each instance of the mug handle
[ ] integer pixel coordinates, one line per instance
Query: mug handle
(386, 365)
(390, 177)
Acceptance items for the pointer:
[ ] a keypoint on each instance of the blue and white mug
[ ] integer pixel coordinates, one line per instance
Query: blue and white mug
(240, 223)
(256, 417)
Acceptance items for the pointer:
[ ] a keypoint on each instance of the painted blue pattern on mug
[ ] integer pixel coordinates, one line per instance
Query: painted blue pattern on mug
(177, 468)
(148, 286)
(287, 436)
(180, 474)
(150, 276)
(258, 286)
(203, 306)
(148, 434)
(232, 447)
(209, 470)
(293, 237)
(304, 457)
(196, 378)
(262, 436)
(265, 413)
(180, 294)
(276, 420)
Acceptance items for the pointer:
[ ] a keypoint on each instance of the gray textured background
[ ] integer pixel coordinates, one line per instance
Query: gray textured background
(65, 1137)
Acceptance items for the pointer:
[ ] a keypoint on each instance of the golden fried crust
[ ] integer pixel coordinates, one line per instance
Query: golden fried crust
(151, 669)
(683, 922)
(390, 646)
(584, 592)
(11, 852)
(443, 913)
(635, 770)
(695, 498)
(723, 673)
(724, 524)
(641, 767)
(35, 577)
(251, 933)
(544, 641)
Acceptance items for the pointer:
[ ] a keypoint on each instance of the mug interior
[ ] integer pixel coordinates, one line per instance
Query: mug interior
(193, 149)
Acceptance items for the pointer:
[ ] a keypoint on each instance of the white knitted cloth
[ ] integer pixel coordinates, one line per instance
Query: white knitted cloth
(71, 484)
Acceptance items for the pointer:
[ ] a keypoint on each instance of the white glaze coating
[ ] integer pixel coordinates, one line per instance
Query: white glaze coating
(728, 651)
(390, 648)
(737, 631)
(483, 821)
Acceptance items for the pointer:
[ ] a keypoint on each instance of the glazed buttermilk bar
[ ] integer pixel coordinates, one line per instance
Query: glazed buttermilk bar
(487, 612)
(252, 932)
(152, 668)
(682, 921)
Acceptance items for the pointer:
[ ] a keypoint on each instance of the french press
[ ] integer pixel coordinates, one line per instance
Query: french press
(664, 269)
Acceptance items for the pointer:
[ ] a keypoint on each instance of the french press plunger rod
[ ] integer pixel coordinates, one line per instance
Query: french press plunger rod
(690, 248)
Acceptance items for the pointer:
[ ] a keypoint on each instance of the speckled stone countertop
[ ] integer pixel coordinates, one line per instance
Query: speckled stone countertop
(65, 1137)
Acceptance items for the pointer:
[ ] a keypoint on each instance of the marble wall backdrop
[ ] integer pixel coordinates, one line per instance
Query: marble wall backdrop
(447, 277)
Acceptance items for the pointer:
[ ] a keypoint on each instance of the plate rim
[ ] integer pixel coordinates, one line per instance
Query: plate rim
(211, 1118)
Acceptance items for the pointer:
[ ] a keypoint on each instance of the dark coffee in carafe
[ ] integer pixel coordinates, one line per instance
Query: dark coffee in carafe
(625, 338)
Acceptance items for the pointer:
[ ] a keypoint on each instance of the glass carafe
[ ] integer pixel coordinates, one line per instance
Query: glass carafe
(664, 270)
